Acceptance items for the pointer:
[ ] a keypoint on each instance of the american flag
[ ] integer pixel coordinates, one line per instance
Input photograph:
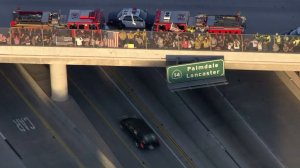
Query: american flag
(112, 39)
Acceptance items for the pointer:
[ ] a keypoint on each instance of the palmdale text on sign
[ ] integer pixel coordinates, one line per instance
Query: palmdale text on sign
(195, 71)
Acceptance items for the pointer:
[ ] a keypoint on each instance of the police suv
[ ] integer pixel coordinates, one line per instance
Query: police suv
(131, 18)
(294, 32)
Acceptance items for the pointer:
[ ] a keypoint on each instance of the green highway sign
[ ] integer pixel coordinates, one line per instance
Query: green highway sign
(195, 71)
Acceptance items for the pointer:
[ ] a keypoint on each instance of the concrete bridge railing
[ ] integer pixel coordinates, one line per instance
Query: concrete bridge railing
(146, 48)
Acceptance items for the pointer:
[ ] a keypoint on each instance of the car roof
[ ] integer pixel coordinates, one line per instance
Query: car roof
(139, 124)
(129, 11)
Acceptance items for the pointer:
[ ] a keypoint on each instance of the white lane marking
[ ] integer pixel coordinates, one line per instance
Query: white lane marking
(2, 136)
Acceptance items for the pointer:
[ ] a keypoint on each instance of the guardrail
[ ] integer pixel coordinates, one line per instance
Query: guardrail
(142, 39)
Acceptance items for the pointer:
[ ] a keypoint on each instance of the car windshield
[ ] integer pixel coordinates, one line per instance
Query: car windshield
(143, 14)
(119, 14)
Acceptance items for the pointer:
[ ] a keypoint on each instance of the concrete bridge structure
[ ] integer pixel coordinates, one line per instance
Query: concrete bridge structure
(59, 57)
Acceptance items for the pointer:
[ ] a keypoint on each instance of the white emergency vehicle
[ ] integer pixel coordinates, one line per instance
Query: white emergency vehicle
(132, 18)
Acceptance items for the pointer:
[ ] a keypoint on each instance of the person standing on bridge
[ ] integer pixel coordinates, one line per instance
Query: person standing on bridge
(130, 37)
(277, 43)
(144, 37)
(138, 39)
(206, 43)
(122, 37)
(197, 43)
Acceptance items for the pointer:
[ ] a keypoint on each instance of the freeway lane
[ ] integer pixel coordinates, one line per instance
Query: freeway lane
(270, 108)
(176, 118)
(29, 135)
(263, 101)
(213, 144)
(104, 106)
(262, 16)
(211, 127)
(48, 137)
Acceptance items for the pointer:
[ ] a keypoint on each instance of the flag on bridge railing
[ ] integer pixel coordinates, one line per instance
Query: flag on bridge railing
(112, 39)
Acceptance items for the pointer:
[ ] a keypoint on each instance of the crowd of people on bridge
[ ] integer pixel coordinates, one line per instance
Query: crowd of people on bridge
(149, 40)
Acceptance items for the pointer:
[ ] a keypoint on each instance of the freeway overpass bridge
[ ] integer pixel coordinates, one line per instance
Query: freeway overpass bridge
(240, 52)
(60, 57)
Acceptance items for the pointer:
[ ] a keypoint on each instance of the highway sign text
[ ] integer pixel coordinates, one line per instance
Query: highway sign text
(195, 71)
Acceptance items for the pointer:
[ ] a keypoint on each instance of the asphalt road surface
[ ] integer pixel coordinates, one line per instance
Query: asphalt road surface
(200, 113)
(26, 132)
(254, 94)
(270, 108)
(104, 106)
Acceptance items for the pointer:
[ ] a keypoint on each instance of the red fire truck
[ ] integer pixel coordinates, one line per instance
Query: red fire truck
(85, 19)
(224, 24)
(171, 21)
(181, 21)
(77, 19)
(34, 18)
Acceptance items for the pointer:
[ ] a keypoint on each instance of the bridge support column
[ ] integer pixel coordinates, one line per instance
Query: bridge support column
(59, 82)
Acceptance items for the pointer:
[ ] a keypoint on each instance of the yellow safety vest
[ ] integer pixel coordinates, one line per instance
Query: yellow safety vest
(278, 39)
(130, 35)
